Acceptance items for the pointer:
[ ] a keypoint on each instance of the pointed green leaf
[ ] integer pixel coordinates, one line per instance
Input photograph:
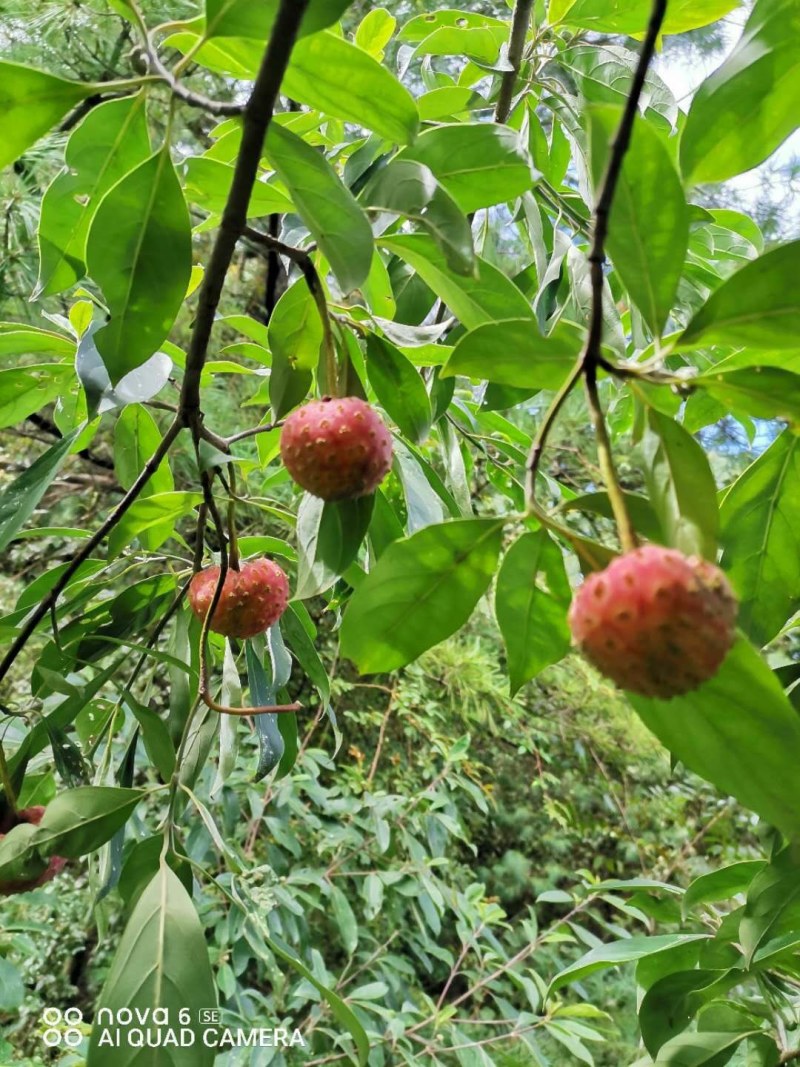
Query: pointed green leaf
(144, 272)
(295, 328)
(369, 95)
(31, 102)
(19, 500)
(161, 963)
(631, 16)
(478, 163)
(749, 105)
(488, 296)
(531, 601)
(111, 141)
(648, 228)
(761, 539)
(328, 209)
(755, 306)
(681, 486)
(410, 189)
(514, 352)
(739, 731)
(243, 18)
(421, 590)
(399, 388)
(625, 951)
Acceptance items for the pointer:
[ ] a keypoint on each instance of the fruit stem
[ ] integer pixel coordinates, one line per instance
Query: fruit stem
(5, 777)
(627, 534)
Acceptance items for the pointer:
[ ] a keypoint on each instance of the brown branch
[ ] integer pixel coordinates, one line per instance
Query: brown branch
(516, 45)
(257, 117)
(591, 357)
(381, 738)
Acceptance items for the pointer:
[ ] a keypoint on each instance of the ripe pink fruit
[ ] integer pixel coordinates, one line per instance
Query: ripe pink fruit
(55, 863)
(252, 598)
(656, 622)
(336, 449)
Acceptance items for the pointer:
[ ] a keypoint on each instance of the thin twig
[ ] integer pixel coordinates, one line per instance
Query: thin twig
(516, 45)
(381, 737)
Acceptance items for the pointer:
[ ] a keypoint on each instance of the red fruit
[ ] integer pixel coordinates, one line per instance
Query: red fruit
(336, 449)
(54, 865)
(252, 598)
(656, 622)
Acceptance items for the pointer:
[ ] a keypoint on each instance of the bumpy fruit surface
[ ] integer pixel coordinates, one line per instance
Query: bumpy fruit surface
(54, 865)
(252, 598)
(656, 622)
(336, 449)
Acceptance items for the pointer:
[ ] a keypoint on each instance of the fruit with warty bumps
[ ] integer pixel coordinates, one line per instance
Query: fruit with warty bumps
(656, 622)
(336, 449)
(252, 598)
(55, 864)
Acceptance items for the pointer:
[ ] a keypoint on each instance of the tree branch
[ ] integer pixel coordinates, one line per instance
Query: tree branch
(257, 117)
(516, 45)
(591, 357)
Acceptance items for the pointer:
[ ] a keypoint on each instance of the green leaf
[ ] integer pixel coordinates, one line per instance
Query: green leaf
(19, 500)
(156, 515)
(136, 438)
(263, 691)
(369, 95)
(631, 16)
(488, 296)
(305, 652)
(144, 272)
(161, 963)
(478, 163)
(31, 102)
(612, 955)
(761, 539)
(329, 535)
(421, 590)
(604, 73)
(111, 141)
(701, 1050)
(208, 182)
(648, 229)
(763, 391)
(670, 1004)
(12, 989)
(643, 516)
(514, 352)
(722, 884)
(29, 389)
(295, 328)
(345, 920)
(755, 306)
(81, 820)
(409, 189)
(749, 105)
(399, 388)
(681, 486)
(328, 209)
(242, 18)
(157, 741)
(739, 731)
(375, 31)
(531, 601)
